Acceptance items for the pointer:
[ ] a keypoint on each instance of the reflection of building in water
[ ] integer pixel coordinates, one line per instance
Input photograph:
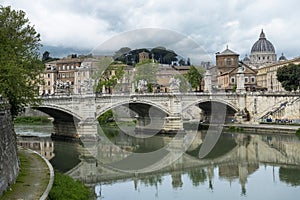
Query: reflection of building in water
(176, 179)
(43, 146)
(232, 172)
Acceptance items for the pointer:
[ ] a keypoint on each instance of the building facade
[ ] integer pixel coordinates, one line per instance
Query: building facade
(226, 61)
(227, 66)
(72, 75)
(267, 75)
(228, 80)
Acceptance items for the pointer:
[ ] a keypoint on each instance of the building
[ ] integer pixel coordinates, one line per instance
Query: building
(165, 73)
(228, 80)
(226, 61)
(262, 52)
(143, 56)
(267, 75)
(227, 65)
(49, 77)
(71, 75)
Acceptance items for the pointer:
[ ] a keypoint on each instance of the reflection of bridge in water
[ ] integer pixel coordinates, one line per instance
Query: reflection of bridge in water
(236, 156)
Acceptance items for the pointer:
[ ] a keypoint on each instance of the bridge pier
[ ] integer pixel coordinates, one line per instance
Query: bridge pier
(88, 130)
(79, 130)
(174, 121)
(64, 129)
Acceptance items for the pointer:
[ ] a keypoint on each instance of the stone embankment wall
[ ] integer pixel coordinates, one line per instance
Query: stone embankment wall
(9, 162)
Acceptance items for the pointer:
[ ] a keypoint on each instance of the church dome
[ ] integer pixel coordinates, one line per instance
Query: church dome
(246, 59)
(282, 58)
(263, 45)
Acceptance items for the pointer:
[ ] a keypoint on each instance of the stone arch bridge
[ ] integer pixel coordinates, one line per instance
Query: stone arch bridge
(75, 115)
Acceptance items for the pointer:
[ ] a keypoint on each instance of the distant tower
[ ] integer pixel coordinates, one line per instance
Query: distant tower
(143, 56)
(262, 51)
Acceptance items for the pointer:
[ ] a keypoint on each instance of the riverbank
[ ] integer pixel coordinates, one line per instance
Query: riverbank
(35, 179)
(263, 128)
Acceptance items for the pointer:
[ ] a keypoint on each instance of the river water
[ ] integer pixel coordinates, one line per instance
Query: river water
(240, 166)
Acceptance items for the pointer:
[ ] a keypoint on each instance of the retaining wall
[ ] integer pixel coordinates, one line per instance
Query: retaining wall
(9, 162)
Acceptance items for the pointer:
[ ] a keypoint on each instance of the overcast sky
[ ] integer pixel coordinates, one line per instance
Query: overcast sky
(86, 24)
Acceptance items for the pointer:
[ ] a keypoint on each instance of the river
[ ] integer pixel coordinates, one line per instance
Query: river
(240, 166)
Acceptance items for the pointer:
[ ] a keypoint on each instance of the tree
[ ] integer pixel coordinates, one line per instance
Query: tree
(147, 71)
(46, 56)
(20, 65)
(108, 80)
(164, 56)
(188, 63)
(181, 62)
(194, 77)
(289, 77)
(120, 52)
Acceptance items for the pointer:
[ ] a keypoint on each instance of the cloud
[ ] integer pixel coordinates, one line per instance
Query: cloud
(211, 24)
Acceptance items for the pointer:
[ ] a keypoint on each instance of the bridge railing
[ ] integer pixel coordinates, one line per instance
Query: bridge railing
(222, 93)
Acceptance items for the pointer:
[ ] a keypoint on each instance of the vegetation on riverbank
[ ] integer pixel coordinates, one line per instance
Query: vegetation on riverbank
(108, 119)
(24, 168)
(235, 129)
(32, 120)
(66, 188)
(298, 133)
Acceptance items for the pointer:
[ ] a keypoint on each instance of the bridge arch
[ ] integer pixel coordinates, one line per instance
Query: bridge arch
(207, 105)
(147, 103)
(202, 101)
(59, 113)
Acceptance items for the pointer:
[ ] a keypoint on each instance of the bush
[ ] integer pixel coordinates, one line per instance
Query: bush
(32, 120)
(106, 117)
(66, 188)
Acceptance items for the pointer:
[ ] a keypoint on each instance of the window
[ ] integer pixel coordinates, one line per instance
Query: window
(48, 82)
(246, 79)
(252, 79)
(48, 75)
(228, 62)
(232, 80)
(63, 67)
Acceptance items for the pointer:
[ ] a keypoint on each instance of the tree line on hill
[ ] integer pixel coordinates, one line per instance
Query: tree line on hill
(158, 54)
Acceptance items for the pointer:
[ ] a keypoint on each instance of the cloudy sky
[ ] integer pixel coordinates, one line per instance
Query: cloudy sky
(86, 24)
